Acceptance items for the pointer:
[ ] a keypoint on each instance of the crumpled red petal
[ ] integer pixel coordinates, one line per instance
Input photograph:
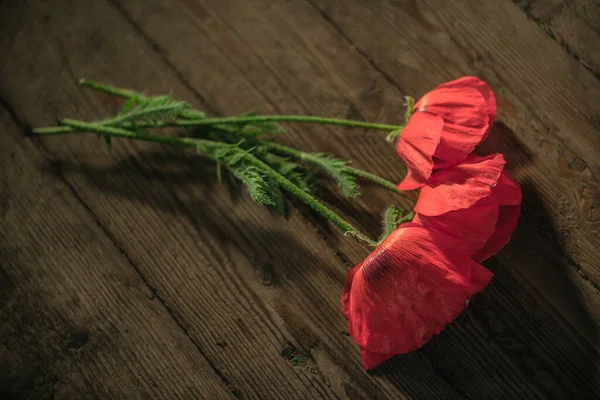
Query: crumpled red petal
(475, 224)
(473, 82)
(346, 291)
(509, 197)
(461, 186)
(508, 190)
(480, 277)
(407, 290)
(488, 95)
(468, 107)
(418, 142)
(476, 200)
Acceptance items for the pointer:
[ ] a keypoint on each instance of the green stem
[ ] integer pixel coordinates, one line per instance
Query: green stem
(126, 94)
(292, 118)
(376, 179)
(68, 128)
(301, 155)
(195, 143)
(123, 133)
(65, 129)
(407, 218)
(310, 201)
(237, 120)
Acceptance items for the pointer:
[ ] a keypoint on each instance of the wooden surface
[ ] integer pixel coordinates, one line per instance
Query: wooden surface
(132, 274)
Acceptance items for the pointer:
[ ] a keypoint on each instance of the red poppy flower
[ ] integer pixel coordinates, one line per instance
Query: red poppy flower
(476, 199)
(447, 124)
(412, 285)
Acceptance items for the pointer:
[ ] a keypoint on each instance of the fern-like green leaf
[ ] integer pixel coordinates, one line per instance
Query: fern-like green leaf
(287, 168)
(129, 104)
(338, 170)
(258, 128)
(192, 114)
(392, 219)
(251, 130)
(238, 155)
(257, 187)
(276, 195)
(149, 109)
(232, 157)
(219, 172)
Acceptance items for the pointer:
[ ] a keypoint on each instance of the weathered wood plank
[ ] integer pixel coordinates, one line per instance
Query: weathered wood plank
(574, 24)
(436, 48)
(185, 234)
(269, 46)
(205, 268)
(259, 33)
(547, 99)
(71, 305)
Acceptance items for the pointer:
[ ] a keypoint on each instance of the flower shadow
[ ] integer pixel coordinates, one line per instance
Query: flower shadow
(182, 184)
(502, 139)
(507, 341)
(529, 332)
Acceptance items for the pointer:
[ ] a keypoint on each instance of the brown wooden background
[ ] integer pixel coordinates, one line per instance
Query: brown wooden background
(132, 274)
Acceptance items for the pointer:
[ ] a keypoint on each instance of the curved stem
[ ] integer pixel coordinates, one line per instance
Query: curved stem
(309, 200)
(376, 179)
(234, 120)
(291, 118)
(301, 155)
(122, 133)
(126, 94)
(123, 93)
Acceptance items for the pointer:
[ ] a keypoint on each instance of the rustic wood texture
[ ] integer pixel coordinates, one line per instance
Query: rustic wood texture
(131, 273)
(76, 317)
(573, 24)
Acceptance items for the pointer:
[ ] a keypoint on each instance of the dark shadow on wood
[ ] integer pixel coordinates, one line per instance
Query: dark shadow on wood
(532, 350)
(275, 255)
(550, 357)
(502, 139)
(180, 171)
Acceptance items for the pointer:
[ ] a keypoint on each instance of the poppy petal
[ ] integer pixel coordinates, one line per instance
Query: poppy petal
(466, 122)
(507, 222)
(461, 186)
(371, 359)
(346, 290)
(481, 86)
(475, 224)
(408, 289)
(487, 93)
(418, 142)
(508, 190)
(480, 277)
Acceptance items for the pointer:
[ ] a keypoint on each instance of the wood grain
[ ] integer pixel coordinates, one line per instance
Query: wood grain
(550, 108)
(574, 24)
(71, 306)
(191, 236)
(254, 293)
